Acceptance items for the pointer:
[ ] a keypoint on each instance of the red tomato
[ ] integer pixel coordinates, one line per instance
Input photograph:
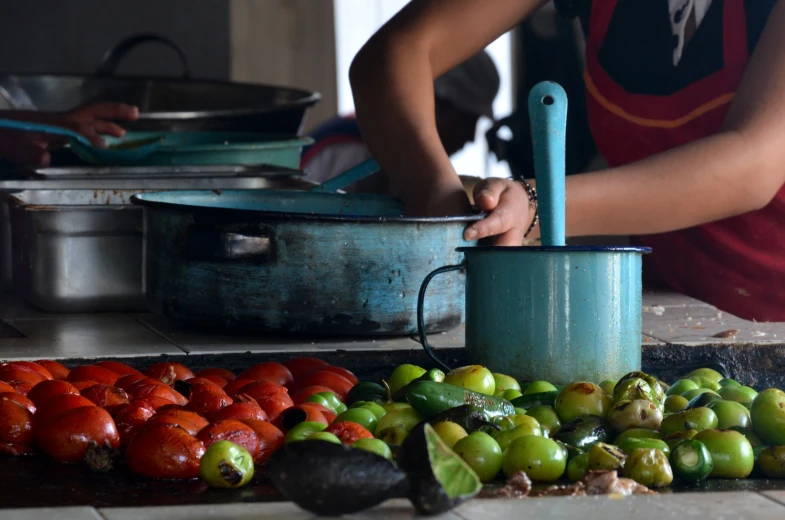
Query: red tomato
(188, 421)
(215, 379)
(259, 389)
(270, 439)
(293, 416)
(155, 402)
(235, 385)
(349, 376)
(33, 367)
(145, 391)
(105, 395)
(239, 411)
(274, 404)
(337, 383)
(232, 431)
(128, 381)
(118, 368)
(171, 407)
(93, 373)
(164, 451)
(199, 384)
(5, 387)
(269, 371)
(17, 435)
(81, 385)
(349, 432)
(147, 381)
(45, 390)
(58, 370)
(21, 387)
(17, 374)
(67, 437)
(130, 418)
(169, 372)
(326, 412)
(217, 372)
(58, 405)
(299, 396)
(302, 366)
(203, 402)
(18, 399)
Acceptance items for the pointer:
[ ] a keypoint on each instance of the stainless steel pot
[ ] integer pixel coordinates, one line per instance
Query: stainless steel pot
(166, 104)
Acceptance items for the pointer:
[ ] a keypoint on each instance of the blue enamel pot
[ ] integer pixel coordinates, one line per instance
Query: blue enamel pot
(557, 313)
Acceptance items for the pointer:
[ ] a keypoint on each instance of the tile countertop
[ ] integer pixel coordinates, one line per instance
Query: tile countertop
(736, 505)
(678, 332)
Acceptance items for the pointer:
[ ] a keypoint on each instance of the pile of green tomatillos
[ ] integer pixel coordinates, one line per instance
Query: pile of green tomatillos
(702, 426)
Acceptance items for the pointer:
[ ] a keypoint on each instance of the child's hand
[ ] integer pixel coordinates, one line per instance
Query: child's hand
(510, 216)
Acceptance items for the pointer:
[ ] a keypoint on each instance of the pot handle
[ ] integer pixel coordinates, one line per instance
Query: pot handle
(421, 308)
(116, 54)
(213, 244)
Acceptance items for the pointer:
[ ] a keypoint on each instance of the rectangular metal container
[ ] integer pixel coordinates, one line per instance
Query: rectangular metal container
(76, 250)
(67, 247)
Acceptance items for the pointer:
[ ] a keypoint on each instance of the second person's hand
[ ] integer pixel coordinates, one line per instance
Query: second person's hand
(91, 120)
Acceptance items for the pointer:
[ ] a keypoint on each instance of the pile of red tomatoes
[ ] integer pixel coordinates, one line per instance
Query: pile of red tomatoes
(162, 432)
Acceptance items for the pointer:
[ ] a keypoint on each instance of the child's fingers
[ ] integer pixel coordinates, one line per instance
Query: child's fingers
(501, 221)
(487, 194)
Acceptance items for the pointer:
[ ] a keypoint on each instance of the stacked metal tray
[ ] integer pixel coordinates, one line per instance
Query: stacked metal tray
(71, 241)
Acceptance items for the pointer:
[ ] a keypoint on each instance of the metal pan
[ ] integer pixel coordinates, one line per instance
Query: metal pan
(156, 172)
(217, 148)
(165, 104)
(241, 181)
(298, 263)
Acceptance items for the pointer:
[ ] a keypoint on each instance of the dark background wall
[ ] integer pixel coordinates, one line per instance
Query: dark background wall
(65, 36)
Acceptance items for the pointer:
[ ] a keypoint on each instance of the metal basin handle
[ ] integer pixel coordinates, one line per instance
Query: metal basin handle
(420, 311)
(111, 60)
(203, 243)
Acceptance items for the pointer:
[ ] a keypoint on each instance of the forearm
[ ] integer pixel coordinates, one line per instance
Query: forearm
(394, 100)
(392, 81)
(710, 179)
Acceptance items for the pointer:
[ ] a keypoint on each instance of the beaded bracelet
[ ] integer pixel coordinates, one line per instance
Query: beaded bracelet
(531, 191)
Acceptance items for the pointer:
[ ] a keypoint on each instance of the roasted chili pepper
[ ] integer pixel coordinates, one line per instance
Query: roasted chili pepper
(367, 391)
(539, 399)
(584, 431)
(430, 398)
(433, 374)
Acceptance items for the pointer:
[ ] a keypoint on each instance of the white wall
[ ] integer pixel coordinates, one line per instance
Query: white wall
(286, 42)
(355, 23)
